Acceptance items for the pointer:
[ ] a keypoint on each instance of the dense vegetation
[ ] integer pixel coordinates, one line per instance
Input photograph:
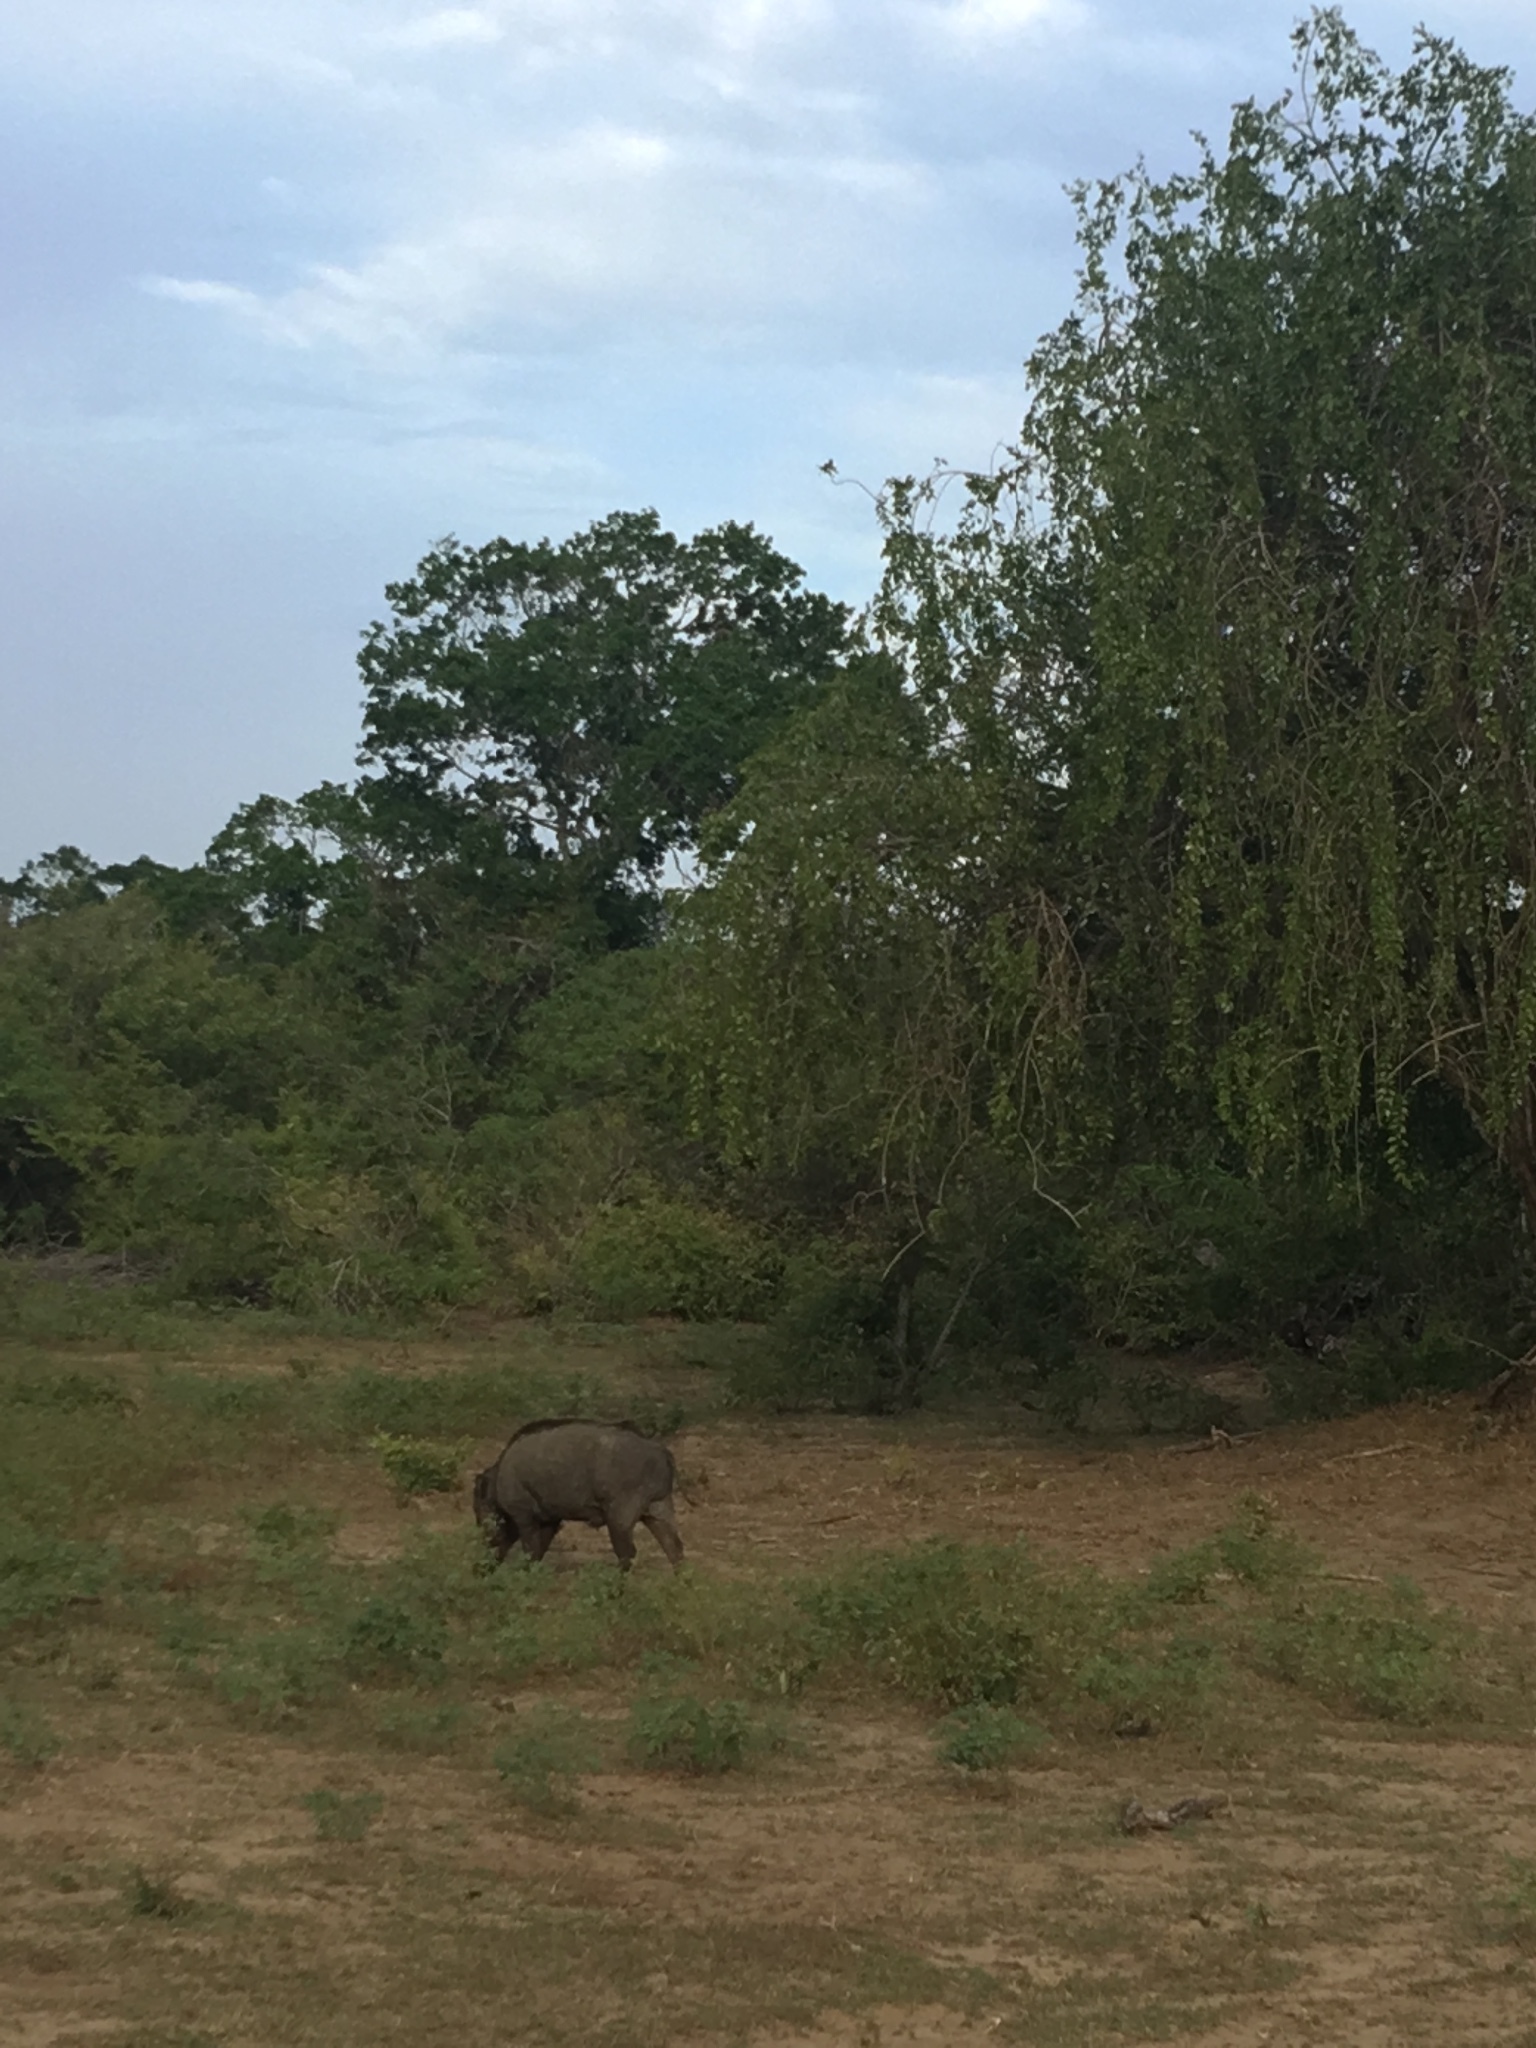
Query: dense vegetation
(1119, 934)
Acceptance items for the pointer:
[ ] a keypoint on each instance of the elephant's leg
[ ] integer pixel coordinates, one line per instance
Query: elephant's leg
(537, 1537)
(662, 1523)
(622, 1536)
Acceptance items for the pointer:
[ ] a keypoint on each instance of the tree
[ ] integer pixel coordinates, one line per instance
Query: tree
(563, 716)
(1284, 451)
(880, 998)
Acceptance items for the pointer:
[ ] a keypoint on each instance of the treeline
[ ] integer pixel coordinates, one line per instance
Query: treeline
(1120, 931)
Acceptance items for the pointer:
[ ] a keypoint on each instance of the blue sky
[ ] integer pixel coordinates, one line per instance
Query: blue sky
(295, 287)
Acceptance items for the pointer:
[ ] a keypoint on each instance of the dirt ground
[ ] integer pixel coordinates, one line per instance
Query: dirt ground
(852, 1893)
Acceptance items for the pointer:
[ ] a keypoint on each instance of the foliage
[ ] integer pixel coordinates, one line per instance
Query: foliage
(980, 1737)
(582, 706)
(392, 1635)
(416, 1466)
(649, 1255)
(680, 1732)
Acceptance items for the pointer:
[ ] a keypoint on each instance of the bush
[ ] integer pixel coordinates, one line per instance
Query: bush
(659, 1256)
(985, 1738)
(682, 1733)
(153, 1898)
(405, 1724)
(416, 1466)
(944, 1622)
(387, 1635)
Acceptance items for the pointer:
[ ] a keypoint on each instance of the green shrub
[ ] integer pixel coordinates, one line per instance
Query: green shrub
(539, 1764)
(342, 1816)
(1389, 1654)
(945, 1622)
(283, 1527)
(653, 1255)
(387, 1635)
(1147, 1685)
(985, 1738)
(683, 1733)
(416, 1466)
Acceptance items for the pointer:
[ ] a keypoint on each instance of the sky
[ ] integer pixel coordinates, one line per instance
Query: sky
(294, 288)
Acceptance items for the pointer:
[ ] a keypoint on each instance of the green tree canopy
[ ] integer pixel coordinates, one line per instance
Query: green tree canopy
(1280, 461)
(575, 710)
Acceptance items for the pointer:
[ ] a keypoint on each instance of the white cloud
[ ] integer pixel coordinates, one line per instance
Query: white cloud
(599, 226)
(450, 27)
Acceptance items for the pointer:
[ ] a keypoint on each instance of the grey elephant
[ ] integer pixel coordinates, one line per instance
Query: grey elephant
(568, 1470)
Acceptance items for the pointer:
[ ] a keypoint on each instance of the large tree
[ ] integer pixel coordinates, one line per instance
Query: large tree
(1282, 458)
(562, 716)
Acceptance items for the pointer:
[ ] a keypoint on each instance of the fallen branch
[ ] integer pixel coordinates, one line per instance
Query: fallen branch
(1218, 1440)
(1377, 1451)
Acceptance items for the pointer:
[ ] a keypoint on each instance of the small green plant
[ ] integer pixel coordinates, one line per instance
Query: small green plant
(539, 1764)
(386, 1635)
(153, 1898)
(342, 1816)
(416, 1465)
(25, 1735)
(683, 1733)
(985, 1738)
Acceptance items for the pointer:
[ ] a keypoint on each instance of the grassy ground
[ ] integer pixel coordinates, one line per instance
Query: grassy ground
(281, 1761)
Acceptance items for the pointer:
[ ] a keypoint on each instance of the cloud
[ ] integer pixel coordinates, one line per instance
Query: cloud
(604, 223)
(449, 28)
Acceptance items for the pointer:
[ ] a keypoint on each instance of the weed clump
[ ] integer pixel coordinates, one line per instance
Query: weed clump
(985, 1738)
(684, 1733)
(386, 1635)
(950, 1623)
(416, 1466)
